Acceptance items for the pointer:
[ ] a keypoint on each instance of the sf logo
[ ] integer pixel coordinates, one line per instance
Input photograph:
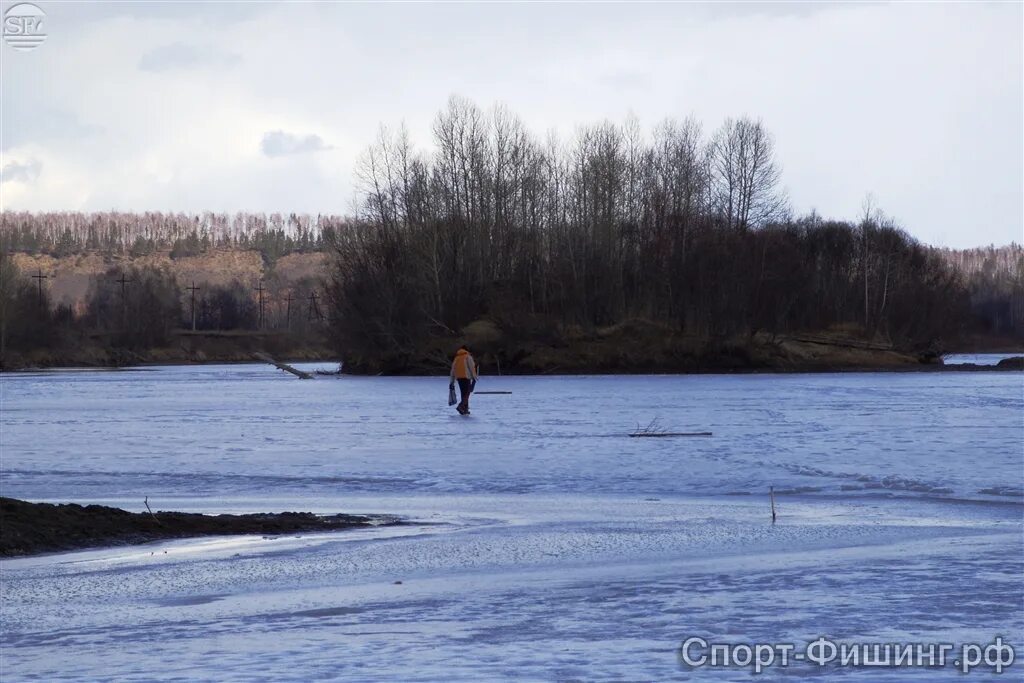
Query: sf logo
(23, 26)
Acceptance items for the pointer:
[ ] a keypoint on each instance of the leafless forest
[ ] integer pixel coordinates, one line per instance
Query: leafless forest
(995, 279)
(679, 226)
(67, 233)
(685, 227)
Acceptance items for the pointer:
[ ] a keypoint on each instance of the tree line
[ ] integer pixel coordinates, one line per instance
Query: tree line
(995, 281)
(683, 226)
(136, 234)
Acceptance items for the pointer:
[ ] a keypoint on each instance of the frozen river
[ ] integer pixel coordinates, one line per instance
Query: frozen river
(548, 545)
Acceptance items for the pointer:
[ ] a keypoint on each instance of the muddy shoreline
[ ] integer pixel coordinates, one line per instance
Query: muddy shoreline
(35, 528)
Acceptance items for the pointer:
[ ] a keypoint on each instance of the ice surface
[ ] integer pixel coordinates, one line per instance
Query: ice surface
(548, 545)
(252, 430)
(977, 358)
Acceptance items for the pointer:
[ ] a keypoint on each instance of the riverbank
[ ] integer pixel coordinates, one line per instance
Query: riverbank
(184, 348)
(640, 346)
(632, 347)
(120, 361)
(34, 528)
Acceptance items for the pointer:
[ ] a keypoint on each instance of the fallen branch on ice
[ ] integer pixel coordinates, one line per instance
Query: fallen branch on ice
(301, 374)
(654, 430)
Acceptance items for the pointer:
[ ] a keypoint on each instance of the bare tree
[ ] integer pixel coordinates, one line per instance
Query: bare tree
(745, 175)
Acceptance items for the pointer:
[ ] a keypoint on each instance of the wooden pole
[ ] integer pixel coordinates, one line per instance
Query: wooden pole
(259, 289)
(39, 277)
(771, 496)
(151, 512)
(124, 301)
(193, 289)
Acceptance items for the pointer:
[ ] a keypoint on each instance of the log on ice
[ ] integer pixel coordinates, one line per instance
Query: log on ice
(301, 374)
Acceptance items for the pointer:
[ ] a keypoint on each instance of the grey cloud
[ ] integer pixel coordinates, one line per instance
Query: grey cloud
(625, 80)
(17, 172)
(183, 56)
(277, 143)
(25, 124)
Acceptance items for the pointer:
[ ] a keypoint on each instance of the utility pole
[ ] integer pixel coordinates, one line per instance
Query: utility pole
(288, 312)
(314, 310)
(39, 277)
(193, 289)
(124, 300)
(260, 290)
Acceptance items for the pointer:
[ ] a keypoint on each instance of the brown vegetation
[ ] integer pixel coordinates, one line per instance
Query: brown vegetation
(69, 278)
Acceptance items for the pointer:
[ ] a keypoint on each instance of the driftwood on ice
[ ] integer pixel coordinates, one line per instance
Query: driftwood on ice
(301, 374)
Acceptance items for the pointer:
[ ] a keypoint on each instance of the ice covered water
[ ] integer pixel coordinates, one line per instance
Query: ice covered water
(977, 358)
(548, 543)
(251, 431)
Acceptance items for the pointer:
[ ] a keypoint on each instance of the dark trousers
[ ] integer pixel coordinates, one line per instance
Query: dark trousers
(465, 388)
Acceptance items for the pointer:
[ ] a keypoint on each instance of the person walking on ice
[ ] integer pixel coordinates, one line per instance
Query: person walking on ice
(463, 371)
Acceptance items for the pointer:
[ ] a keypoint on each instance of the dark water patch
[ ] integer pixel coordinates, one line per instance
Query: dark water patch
(114, 484)
(328, 612)
(866, 481)
(794, 490)
(188, 600)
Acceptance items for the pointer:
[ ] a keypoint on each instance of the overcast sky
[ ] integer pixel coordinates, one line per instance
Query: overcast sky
(264, 107)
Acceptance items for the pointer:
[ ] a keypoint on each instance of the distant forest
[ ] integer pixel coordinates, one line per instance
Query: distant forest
(994, 277)
(61, 234)
(681, 227)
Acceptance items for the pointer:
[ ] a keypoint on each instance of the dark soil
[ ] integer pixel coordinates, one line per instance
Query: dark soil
(32, 528)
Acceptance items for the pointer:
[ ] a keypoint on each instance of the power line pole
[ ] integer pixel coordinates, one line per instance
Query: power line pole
(193, 289)
(260, 290)
(124, 300)
(314, 310)
(39, 277)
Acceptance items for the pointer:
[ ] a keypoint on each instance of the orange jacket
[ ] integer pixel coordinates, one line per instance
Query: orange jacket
(463, 366)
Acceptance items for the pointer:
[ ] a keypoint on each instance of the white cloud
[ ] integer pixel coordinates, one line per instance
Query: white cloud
(56, 125)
